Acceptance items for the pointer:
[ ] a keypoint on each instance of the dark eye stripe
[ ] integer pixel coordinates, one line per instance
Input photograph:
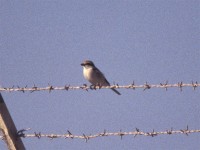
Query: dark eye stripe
(88, 64)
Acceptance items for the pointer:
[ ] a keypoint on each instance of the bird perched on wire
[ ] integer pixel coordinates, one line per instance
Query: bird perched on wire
(94, 75)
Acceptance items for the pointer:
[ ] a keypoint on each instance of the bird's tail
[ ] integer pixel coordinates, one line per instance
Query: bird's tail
(116, 91)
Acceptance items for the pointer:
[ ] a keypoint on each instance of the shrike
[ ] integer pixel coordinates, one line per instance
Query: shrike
(94, 75)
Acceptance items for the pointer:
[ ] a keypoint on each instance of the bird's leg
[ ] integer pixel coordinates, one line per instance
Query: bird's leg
(99, 85)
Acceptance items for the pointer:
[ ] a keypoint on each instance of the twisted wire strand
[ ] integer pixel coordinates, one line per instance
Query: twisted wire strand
(136, 132)
(85, 87)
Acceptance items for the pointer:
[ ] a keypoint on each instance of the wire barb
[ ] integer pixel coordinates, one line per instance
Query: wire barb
(21, 133)
(180, 85)
(146, 86)
(164, 85)
(194, 85)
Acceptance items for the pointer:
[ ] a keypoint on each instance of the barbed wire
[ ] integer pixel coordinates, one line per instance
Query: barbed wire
(85, 87)
(136, 132)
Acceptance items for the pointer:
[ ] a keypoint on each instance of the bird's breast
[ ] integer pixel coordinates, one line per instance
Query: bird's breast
(89, 75)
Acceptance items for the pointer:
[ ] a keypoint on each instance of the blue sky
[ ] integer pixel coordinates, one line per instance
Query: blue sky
(44, 42)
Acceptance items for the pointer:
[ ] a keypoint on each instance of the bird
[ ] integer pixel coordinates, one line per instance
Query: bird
(94, 75)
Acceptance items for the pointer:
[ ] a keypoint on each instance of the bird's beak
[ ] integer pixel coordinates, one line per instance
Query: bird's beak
(82, 64)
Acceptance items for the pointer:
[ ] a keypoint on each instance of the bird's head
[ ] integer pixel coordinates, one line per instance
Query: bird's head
(87, 63)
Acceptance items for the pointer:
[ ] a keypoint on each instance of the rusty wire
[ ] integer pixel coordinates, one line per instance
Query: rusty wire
(85, 87)
(136, 132)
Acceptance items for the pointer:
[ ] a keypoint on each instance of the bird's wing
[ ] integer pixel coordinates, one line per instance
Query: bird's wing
(101, 76)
